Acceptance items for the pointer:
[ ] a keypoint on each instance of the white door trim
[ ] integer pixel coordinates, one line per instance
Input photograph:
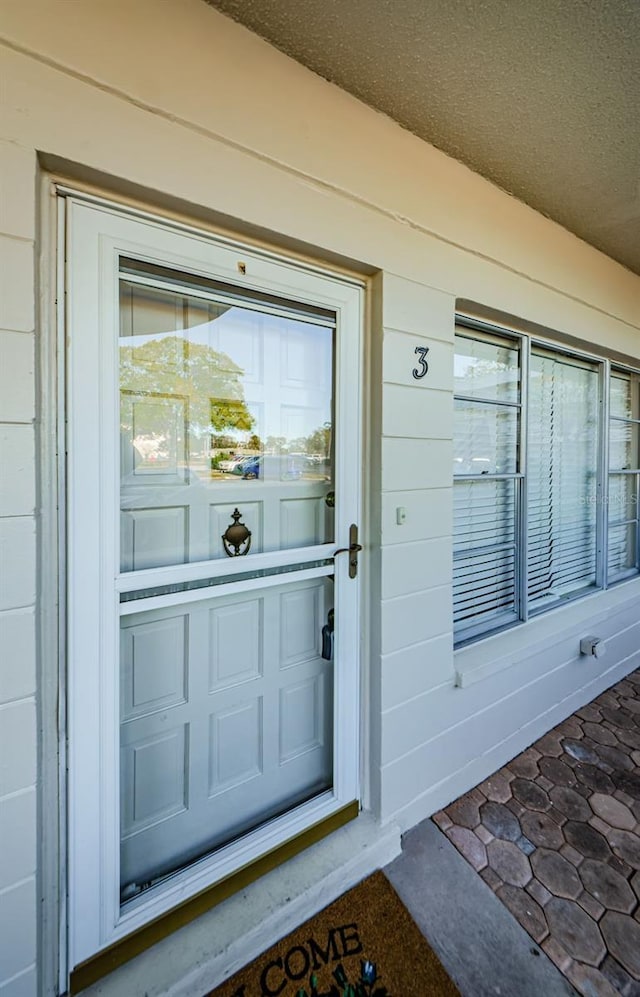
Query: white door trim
(96, 234)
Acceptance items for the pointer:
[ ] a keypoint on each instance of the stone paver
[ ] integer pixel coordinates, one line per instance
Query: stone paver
(630, 738)
(559, 956)
(542, 830)
(586, 840)
(607, 886)
(592, 906)
(590, 981)
(556, 873)
(601, 734)
(631, 704)
(572, 855)
(593, 778)
(465, 812)
(622, 935)
(575, 931)
(589, 712)
(570, 803)
(470, 845)
(556, 835)
(557, 772)
(526, 765)
(550, 745)
(496, 788)
(619, 978)
(492, 879)
(443, 821)
(626, 845)
(629, 783)
(612, 812)
(620, 718)
(614, 757)
(484, 835)
(530, 795)
(509, 862)
(579, 751)
(500, 821)
(529, 913)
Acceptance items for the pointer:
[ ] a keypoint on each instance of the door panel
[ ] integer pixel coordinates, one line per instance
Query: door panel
(226, 720)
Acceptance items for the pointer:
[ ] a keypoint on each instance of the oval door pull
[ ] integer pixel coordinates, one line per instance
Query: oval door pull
(352, 550)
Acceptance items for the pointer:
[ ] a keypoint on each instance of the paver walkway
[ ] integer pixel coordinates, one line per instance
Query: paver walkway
(556, 835)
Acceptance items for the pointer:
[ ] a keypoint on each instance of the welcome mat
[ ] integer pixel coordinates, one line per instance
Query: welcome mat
(365, 944)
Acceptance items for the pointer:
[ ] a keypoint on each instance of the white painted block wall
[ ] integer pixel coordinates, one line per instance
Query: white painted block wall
(18, 739)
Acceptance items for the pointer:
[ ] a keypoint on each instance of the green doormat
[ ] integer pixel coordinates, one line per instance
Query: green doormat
(365, 944)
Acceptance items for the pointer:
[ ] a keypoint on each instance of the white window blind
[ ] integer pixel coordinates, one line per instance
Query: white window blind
(561, 477)
(484, 517)
(486, 455)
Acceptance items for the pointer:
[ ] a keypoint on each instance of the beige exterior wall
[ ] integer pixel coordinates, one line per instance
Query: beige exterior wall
(192, 112)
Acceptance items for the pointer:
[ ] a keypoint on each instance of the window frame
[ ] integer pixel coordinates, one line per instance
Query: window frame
(630, 573)
(606, 368)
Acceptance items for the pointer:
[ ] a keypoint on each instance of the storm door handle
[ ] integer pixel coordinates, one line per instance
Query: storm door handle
(352, 550)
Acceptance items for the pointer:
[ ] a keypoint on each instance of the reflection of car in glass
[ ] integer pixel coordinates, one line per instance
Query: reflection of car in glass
(231, 463)
(285, 468)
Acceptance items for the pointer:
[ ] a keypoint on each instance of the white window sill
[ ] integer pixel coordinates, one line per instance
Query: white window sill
(497, 653)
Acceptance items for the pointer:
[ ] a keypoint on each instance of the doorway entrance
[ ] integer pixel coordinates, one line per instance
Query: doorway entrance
(213, 408)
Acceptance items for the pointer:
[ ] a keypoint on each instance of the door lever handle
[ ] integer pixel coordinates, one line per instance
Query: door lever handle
(352, 550)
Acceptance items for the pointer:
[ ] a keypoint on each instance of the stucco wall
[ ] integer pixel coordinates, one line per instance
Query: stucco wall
(177, 100)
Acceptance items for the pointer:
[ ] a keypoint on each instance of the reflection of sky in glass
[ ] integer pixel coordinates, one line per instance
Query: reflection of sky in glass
(310, 412)
(485, 370)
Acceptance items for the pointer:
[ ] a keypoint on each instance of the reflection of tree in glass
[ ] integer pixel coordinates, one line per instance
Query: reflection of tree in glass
(319, 442)
(212, 382)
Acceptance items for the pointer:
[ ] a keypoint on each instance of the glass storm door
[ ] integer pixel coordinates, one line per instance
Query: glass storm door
(213, 472)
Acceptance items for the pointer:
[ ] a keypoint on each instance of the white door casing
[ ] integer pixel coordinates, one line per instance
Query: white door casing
(264, 731)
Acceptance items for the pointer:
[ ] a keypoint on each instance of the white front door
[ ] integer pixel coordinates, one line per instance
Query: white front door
(213, 471)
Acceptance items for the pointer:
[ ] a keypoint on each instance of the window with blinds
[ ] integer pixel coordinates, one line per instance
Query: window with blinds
(487, 428)
(561, 477)
(546, 477)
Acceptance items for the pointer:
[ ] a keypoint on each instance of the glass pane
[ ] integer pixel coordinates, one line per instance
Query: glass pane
(483, 515)
(485, 438)
(223, 408)
(623, 497)
(623, 445)
(484, 564)
(486, 370)
(563, 455)
(624, 395)
(623, 546)
(226, 721)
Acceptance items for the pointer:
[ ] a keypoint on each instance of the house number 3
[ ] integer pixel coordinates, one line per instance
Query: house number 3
(421, 352)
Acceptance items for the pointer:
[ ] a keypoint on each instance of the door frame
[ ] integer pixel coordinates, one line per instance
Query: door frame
(89, 935)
